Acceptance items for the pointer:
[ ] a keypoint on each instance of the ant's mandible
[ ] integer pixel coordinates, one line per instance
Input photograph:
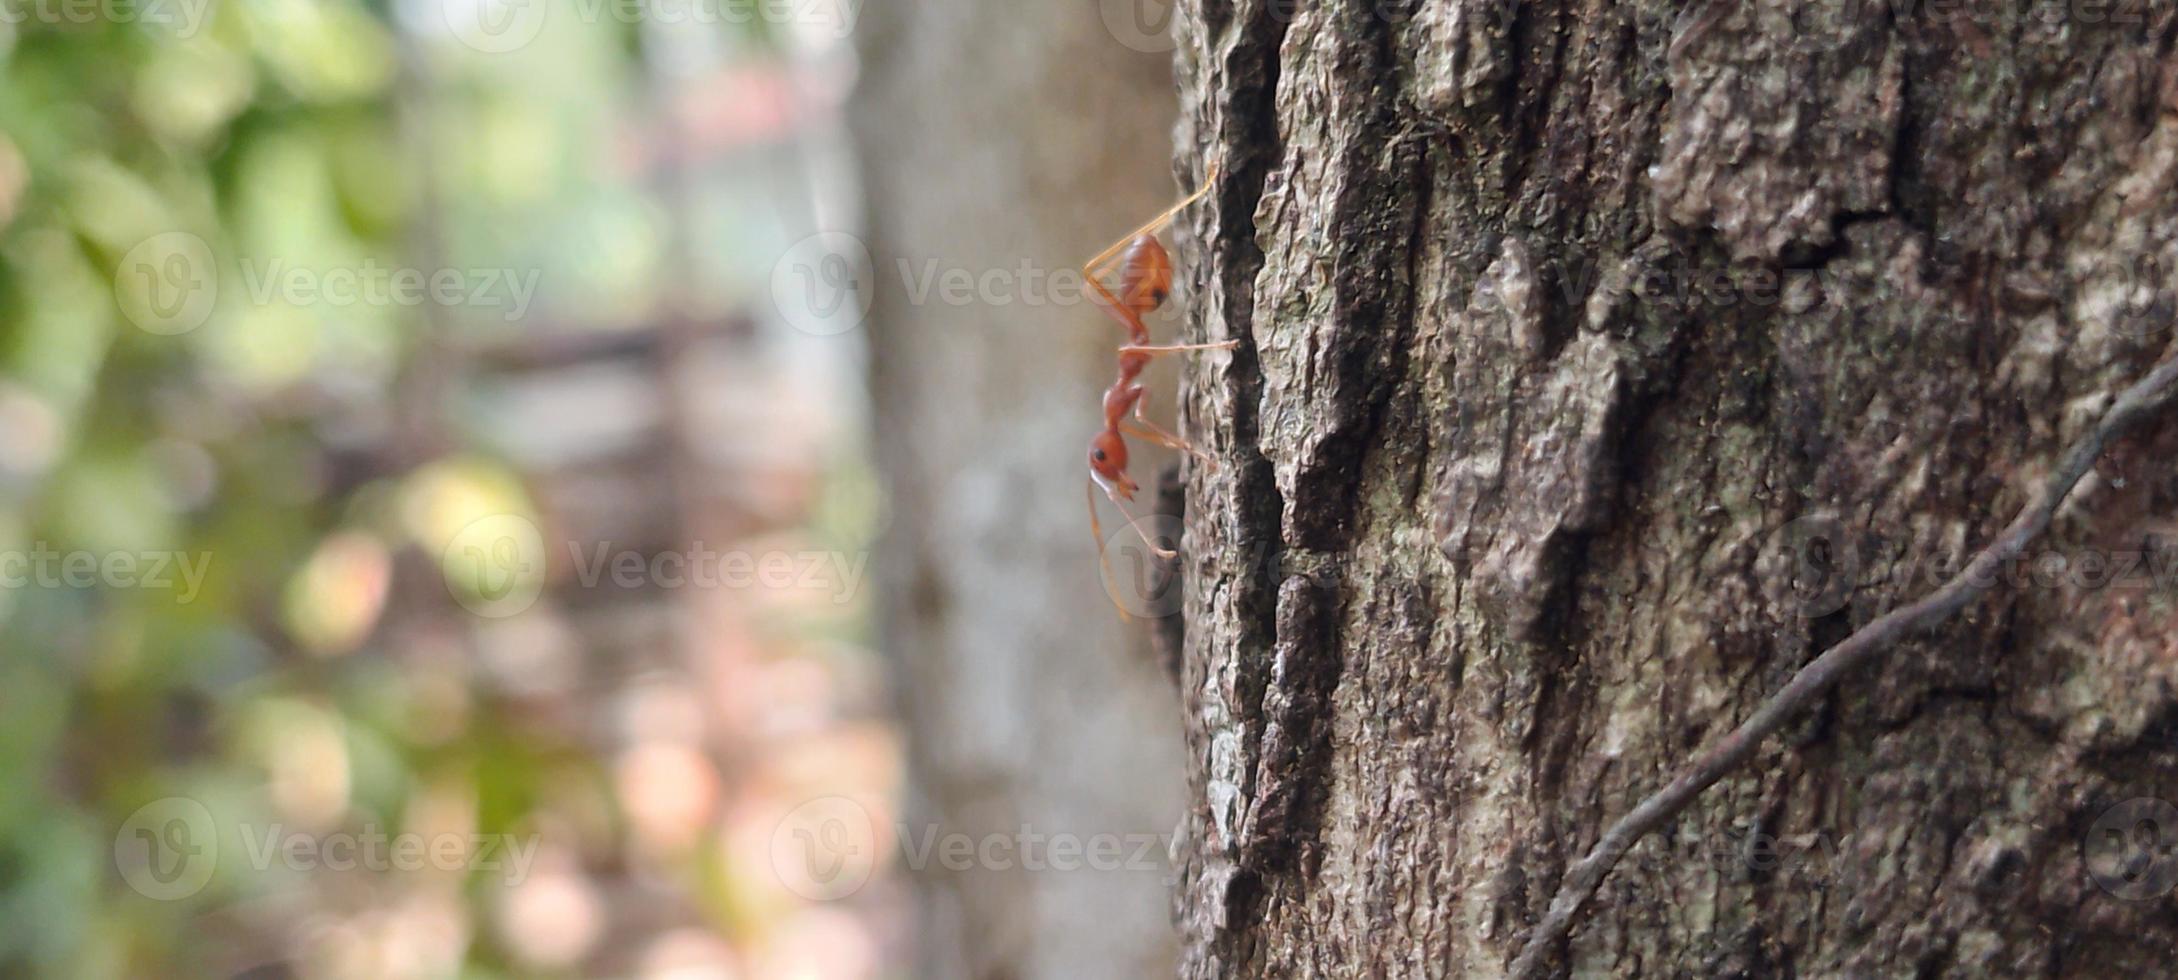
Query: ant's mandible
(1145, 279)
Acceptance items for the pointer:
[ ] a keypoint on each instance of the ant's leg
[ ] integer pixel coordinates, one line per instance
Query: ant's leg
(1156, 351)
(1093, 270)
(1151, 433)
(1094, 267)
(1110, 304)
(1143, 428)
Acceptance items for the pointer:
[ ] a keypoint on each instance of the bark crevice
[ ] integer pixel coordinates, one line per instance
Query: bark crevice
(1566, 319)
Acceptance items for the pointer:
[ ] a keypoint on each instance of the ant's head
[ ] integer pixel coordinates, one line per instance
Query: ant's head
(1108, 465)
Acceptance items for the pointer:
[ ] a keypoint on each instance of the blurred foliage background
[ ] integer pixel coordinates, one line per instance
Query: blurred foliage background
(168, 393)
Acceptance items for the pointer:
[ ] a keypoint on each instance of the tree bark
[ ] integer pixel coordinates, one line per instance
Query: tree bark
(1600, 365)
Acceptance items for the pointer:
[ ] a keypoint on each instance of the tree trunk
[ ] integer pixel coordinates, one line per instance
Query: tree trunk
(1600, 364)
(1002, 142)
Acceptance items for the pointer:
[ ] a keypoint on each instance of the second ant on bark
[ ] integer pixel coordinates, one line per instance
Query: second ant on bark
(1145, 280)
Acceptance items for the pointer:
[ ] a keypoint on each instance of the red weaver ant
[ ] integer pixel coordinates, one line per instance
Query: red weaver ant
(1145, 279)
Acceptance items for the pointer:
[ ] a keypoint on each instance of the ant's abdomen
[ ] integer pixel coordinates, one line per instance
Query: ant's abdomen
(1145, 276)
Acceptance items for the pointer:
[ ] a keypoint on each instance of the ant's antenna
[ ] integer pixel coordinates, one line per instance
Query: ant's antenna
(1136, 523)
(1104, 561)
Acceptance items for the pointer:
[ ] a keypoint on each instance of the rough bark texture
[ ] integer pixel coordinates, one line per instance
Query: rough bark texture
(1602, 362)
(1004, 142)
